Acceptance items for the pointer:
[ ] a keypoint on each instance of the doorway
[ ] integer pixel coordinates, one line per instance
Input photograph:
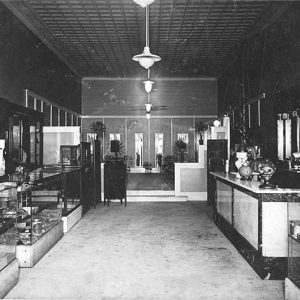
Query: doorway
(138, 150)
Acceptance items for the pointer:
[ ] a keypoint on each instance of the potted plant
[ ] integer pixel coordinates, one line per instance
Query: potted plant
(98, 128)
(200, 128)
(118, 147)
(181, 145)
(148, 166)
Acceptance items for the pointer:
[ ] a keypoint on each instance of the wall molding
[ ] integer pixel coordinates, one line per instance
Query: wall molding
(152, 78)
(144, 117)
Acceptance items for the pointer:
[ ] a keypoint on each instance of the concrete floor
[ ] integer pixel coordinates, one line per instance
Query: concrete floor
(144, 251)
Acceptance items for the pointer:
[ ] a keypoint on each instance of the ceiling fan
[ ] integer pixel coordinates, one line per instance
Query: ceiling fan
(153, 108)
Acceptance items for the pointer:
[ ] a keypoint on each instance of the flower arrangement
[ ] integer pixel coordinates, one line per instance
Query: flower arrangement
(97, 127)
(148, 166)
(181, 144)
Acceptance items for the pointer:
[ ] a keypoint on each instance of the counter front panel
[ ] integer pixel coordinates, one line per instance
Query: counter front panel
(256, 221)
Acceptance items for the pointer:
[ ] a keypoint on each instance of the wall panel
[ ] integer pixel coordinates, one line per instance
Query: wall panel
(126, 96)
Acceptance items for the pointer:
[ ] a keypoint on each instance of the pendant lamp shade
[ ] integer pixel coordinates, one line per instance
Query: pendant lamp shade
(146, 59)
(143, 3)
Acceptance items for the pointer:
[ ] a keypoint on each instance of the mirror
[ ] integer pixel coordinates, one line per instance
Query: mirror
(138, 149)
(159, 144)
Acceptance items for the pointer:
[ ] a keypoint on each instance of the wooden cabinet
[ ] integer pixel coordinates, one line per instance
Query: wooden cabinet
(22, 131)
(115, 180)
(216, 157)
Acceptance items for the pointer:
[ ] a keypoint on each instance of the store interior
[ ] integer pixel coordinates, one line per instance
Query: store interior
(123, 121)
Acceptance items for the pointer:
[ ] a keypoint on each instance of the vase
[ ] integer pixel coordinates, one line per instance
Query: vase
(241, 160)
(245, 172)
(181, 155)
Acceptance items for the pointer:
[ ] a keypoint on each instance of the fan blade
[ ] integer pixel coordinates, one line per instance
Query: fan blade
(136, 108)
(159, 107)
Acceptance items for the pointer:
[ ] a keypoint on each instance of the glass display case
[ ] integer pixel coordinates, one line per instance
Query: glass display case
(39, 212)
(76, 155)
(9, 214)
(40, 226)
(73, 157)
(293, 207)
(70, 155)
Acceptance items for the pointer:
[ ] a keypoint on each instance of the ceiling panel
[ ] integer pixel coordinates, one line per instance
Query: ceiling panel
(100, 37)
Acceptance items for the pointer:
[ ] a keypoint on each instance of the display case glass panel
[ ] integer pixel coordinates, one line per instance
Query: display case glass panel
(15, 139)
(70, 155)
(8, 223)
(39, 212)
(70, 191)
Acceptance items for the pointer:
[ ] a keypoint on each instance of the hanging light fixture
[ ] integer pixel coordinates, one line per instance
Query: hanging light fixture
(148, 83)
(146, 59)
(143, 3)
(148, 107)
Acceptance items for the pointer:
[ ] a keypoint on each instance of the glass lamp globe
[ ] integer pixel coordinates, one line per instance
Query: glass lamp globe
(148, 85)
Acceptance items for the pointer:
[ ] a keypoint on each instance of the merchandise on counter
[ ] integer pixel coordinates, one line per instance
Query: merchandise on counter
(295, 228)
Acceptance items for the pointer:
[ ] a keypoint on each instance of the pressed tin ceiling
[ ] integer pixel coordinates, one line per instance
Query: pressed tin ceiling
(99, 37)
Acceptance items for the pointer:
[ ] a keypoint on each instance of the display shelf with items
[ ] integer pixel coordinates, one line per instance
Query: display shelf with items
(40, 227)
(9, 214)
(69, 155)
(292, 281)
(75, 155)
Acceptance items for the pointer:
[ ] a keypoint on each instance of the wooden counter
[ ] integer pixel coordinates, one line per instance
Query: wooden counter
(256, 221)
(251, 185)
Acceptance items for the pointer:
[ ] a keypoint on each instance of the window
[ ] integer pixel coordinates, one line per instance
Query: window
(115, 136)
(184, 137)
